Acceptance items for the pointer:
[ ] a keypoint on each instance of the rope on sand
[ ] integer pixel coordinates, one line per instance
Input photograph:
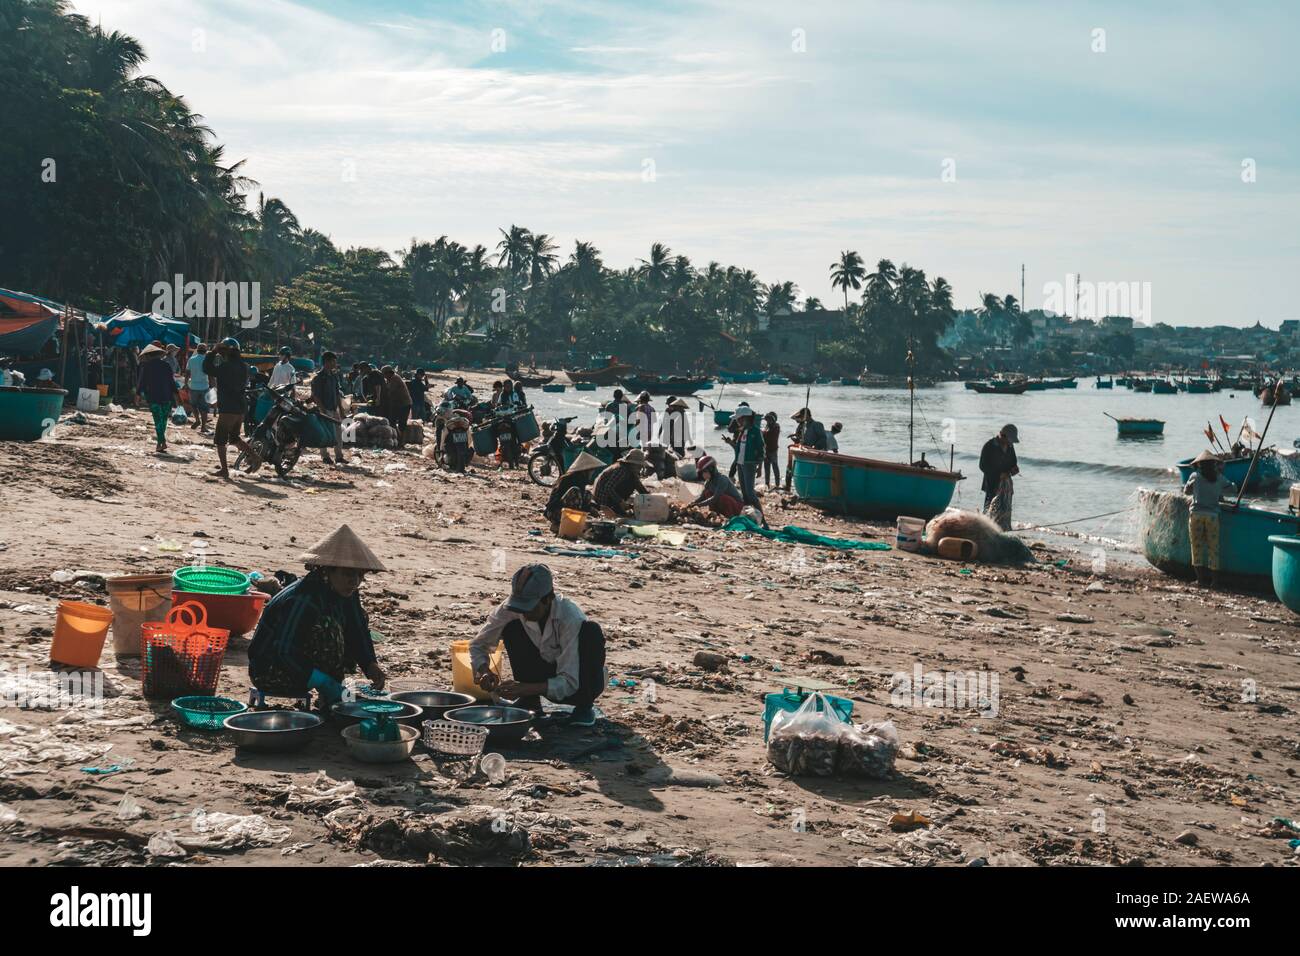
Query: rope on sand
(1108, 514)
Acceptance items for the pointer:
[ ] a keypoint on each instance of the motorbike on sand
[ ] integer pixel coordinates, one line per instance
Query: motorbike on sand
(288, 428)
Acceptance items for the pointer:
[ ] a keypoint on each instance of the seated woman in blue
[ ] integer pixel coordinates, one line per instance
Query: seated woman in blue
(315, 632)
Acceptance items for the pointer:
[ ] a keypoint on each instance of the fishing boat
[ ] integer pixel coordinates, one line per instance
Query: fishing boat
(530, 381)
(1245, 553)
(869, 488)
(1037, 385)
(1201, 386)
(1162, 386)
(1139, 426)
(665, 385)
(1141, 385)
(1107, 383)
(549, 387)
(1062, 383)
(606, 374)
(27, 414)
(1274, 396)
(777, 380)
(584, 386)
(722, 417)
(798, 380)
(850, 381)
(1266, 476)
(1000, 388)
(741, 378)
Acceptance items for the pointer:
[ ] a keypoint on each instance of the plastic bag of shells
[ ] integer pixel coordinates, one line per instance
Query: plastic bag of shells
(806, 743)
(868, 751)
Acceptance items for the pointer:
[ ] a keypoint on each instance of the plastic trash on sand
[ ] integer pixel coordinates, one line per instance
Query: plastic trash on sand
(164, 843)
(226, 831)
(815, 741)
(129, 808)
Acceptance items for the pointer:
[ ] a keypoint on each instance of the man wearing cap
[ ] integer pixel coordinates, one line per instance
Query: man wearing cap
(808, 433)
(196, 380)
(832, 441)
(227, 368)
(459, 394)
(315, 631)
(554, 651)
(617, 483)
(1205, 487)
(571, 490)
(157, 385)
(283, 373)
(719, 494)
(749, 455)
(998, 465)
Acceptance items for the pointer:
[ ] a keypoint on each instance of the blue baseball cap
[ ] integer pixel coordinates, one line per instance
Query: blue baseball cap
(230, 342)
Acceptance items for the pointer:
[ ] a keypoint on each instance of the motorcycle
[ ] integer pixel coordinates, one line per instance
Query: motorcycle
(287, 428)
(503, 427)
(546, 465)
(457, 450)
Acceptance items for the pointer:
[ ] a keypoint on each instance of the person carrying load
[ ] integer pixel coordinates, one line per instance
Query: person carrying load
(1205, 487)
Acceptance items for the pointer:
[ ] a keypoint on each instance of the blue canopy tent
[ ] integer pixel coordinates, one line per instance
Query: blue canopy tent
(128, 329)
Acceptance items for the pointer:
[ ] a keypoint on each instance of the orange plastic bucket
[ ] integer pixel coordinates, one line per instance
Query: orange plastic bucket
(573, 523)
(79, 634)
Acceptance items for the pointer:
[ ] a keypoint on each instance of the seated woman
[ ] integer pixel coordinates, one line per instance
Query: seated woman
(315, 632)
(571, 490)
(719, 493)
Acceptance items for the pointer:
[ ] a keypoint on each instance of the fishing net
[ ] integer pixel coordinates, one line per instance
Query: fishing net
(1162, 527)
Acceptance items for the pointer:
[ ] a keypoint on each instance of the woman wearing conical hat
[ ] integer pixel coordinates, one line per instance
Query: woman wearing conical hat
(571, 490)
(315, 631)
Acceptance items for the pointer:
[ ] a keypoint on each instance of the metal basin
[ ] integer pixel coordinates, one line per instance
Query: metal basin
(272, 730)
(348, 713)
(380, 751)
(505, 725)
(435, 703)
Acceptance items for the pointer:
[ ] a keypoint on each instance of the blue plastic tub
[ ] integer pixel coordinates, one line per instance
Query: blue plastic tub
(790, 701)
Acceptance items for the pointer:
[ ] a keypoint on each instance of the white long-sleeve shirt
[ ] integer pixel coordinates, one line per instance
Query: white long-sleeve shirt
(557, 642)
(283, 374)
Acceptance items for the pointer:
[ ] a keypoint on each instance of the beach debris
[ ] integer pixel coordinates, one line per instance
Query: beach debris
(710, 661)
(230, 831)
(909, 821)
(812, 742)
(164, 844)
(129, 808)
(1187, 838)
(1071, 618)
(7, 815)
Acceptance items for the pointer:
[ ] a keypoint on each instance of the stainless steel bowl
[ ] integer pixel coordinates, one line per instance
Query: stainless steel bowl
(505, 724)
(348, 713)
(272, 730)
(435, 703)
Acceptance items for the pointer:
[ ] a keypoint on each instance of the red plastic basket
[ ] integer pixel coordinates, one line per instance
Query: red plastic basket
(182, 655)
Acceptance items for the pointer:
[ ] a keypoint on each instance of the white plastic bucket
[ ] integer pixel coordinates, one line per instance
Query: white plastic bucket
(909, 534)
(87, 399)
(135, 599)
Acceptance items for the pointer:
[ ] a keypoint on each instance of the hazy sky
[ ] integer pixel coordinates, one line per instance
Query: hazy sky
(773, 135)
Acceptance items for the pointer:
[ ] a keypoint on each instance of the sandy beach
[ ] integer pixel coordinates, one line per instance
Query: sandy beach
(1139, 721)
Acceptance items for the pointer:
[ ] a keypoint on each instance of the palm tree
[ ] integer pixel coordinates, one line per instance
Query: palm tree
(780, 298)
(541, 258)
(848, 273)
(655, 269)
(813, 304)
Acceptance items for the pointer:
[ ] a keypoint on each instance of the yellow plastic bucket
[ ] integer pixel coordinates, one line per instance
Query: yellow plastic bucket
(79, 633)
(135, 599)
(462, 674)
(573, 523)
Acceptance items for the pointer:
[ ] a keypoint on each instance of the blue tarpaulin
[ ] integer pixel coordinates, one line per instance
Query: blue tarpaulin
(130, 329)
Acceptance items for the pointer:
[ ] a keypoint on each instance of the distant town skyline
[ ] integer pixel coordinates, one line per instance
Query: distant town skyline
(1128, 145)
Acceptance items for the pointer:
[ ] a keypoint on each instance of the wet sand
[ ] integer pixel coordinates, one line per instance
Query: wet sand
(1138, 720)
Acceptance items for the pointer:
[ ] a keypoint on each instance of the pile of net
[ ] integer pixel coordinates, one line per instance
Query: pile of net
(814, 742)
(371, 431)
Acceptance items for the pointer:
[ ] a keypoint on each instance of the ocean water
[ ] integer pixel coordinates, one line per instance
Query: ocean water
(1072, 463)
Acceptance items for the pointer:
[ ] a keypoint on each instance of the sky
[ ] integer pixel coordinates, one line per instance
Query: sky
(1151, 143)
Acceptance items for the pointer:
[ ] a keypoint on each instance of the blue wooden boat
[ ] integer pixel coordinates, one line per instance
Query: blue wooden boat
(551, 387)
(850, 381)
(868, 488)
(1201, 386)
(1139, 426)
(1103, 384)
(1245, 554)
(1162, 386)
(1140, 385)
(722, 417)
(671, 385)
(1266, 477)
(26, 414)
(777, 380)
(584, 386)
(741, 378)
(1286, 569)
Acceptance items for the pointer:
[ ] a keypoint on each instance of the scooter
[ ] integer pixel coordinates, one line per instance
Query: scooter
(457, 450)
(287, 428)
(503, 427)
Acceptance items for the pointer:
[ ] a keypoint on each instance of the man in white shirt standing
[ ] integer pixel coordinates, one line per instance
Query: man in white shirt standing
(554, 650)
(284, 373)
(196, 380)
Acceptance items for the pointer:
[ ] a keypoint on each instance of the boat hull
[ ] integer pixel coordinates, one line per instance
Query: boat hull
(868, 488)
(1286, 569)
(1145, 426)
(599, 376)
(687, 386)
(1000, 389)
(742, 378)
(28, 413)
(1245, 554)
(1267, 475)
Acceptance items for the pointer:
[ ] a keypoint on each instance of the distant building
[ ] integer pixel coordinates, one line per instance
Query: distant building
(791, 338)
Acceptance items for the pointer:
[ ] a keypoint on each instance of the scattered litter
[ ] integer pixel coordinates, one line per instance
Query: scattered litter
(228, 831)
(164, 844)
(909, 821)
(129, 808)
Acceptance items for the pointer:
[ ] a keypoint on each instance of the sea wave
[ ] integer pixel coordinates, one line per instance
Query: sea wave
(1093, 467)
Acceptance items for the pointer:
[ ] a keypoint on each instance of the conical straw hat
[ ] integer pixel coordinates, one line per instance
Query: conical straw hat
(585, 462)
(343, 549)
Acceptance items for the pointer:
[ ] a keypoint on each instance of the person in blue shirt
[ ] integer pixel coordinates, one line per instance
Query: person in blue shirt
(196, 380)
(156, 383)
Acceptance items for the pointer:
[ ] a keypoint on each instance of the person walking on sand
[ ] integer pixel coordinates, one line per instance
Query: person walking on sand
(156, 384)
(327, 392)
(196, 380)
(395, 402)
(998, 466)
(1205, 487)
(226, 366)
(555, 651)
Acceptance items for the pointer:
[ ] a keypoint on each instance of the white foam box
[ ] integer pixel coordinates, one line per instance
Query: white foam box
(650, 507)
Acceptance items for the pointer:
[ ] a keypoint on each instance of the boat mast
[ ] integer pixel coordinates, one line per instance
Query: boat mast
(911, 390)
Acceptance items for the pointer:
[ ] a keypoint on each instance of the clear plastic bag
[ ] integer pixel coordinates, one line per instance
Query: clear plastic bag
(807, 741)
(868, 751)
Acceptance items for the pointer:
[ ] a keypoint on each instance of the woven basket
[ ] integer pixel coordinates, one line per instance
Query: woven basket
(449, 740)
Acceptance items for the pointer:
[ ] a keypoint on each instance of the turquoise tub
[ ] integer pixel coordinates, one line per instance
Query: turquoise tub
(1286, 569)
(26, 414)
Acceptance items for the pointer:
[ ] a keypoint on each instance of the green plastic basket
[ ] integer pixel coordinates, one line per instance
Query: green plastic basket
(210, 580)
(206, 713)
